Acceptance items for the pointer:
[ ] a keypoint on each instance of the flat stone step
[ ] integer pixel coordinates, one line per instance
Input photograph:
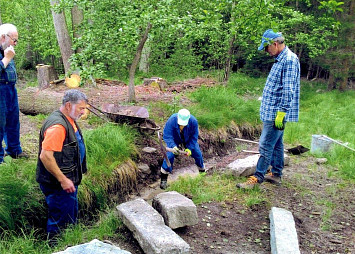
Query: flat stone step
(247, 165)
(283, 234)
(149, 229)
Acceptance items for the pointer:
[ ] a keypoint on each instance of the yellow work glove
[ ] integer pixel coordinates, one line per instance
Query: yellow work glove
(176, 150)
(279, 124)
(188, 152)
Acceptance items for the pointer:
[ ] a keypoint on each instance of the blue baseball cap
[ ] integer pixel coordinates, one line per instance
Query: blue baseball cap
(267, 38)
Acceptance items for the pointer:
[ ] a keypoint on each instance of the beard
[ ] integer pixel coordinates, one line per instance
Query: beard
(72, 114)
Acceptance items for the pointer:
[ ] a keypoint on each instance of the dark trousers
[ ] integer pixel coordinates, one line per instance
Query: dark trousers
(9, 121)
(62, 208)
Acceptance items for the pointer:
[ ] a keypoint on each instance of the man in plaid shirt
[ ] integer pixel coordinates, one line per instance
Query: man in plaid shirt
(280, 104)
(9, 108)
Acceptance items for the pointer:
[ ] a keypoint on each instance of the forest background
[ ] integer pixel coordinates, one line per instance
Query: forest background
(107, 37)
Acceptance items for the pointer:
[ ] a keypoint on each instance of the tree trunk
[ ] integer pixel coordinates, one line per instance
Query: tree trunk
(64, 40)
(144, 62)
(45, 74)
(318, 71)
(77, 16)
(227, 67)
(331, 81)
(309, 72)
(33, 101)
(132, 70)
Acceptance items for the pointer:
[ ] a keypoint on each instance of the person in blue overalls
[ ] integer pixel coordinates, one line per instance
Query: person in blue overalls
(9, 108)
(181, 129)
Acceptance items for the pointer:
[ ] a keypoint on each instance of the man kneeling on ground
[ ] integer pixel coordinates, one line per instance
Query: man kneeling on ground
(181, 129)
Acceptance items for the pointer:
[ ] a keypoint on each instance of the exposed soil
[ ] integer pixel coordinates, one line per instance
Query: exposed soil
(323, 206)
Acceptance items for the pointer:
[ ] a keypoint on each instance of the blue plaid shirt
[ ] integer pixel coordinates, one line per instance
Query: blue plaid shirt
(8, 75)
(282, 88)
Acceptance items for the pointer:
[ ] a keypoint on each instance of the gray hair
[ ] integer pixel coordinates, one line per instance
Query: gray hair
(279, 40)
(74, 96)
(7, 28)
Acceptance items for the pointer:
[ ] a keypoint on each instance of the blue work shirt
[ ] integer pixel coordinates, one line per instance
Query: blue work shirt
(282, 88)
(172, 136)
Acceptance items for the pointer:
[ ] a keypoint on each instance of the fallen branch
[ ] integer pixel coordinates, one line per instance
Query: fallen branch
(249, 151)
(246, 140)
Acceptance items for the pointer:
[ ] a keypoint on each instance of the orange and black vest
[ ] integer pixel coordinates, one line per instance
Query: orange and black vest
(68, 159)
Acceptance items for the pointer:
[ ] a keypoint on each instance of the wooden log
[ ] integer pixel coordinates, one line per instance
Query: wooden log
(45, 74)
(33, 101)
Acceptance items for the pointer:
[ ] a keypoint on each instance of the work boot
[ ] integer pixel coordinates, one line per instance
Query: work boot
(163, 181)
(249, 184)
(272, 178)
(201, 170)
(22, 155)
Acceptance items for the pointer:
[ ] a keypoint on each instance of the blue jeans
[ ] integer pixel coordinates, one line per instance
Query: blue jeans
(9, 121)
(271, 151)
(62, 208)
(195, 153)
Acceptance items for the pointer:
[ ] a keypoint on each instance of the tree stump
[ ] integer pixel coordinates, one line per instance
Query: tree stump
(45, 74)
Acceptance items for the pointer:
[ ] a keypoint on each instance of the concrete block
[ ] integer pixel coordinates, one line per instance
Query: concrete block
(177, 210)
(283, 234)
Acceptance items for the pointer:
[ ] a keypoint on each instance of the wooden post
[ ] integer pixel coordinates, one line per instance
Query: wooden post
(45, 74)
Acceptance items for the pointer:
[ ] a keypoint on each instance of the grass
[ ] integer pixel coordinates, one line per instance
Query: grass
(217, 187)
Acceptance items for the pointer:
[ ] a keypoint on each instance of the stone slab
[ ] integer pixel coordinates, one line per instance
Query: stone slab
(94, 247)
(247, 165)
(149, 229)
(283, 234)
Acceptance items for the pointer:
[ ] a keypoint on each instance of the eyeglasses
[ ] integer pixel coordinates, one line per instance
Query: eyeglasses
(14, 40)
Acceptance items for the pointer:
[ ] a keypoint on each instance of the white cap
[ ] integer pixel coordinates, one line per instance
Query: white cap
(183, 117)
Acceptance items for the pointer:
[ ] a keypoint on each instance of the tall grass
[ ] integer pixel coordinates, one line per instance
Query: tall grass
(217, 107)
(107, 147)
(19, 194)
(329, 113)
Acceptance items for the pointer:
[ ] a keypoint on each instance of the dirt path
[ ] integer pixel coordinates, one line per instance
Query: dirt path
(307, 191)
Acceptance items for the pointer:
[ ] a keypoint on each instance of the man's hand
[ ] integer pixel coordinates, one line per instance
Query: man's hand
(9, 53)
(279, 120)
(51, 165)
(176, 150)
(188, 152)
(67, 185)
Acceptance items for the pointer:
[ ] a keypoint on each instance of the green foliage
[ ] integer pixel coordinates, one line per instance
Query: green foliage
(190, 67)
